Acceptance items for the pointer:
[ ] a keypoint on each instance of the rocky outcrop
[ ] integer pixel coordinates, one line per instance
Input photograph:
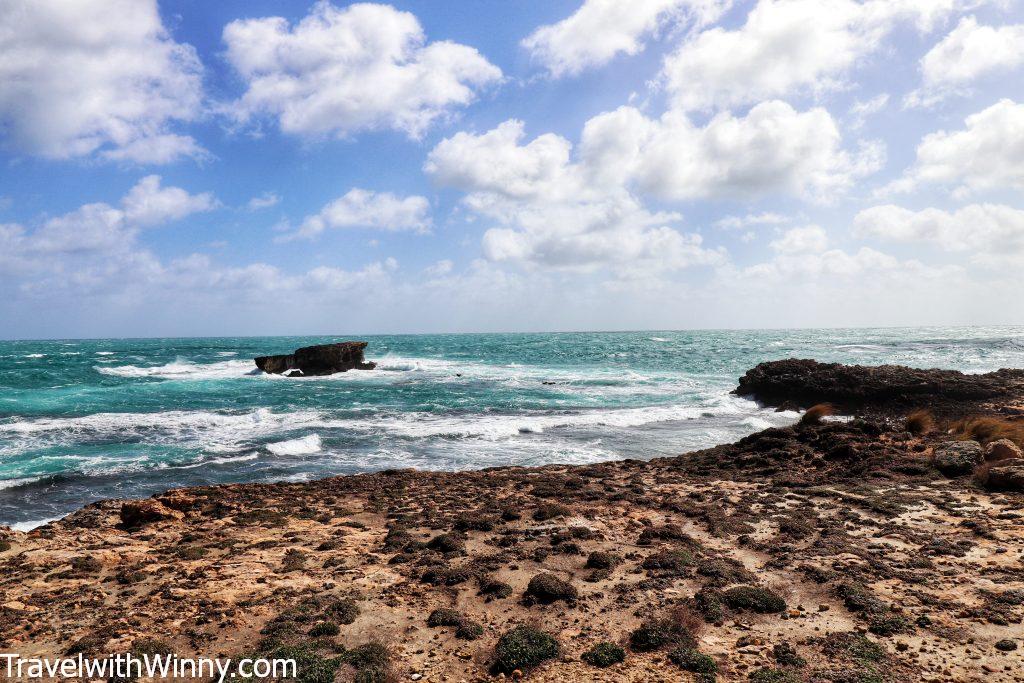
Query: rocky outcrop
(958, 457)
(891, 387)
(138, 513)
(1002, 449)
(322, 359)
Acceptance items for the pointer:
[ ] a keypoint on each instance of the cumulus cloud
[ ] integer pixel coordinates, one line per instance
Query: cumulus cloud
(774, 148)
(970, 52)
(102, 228)
(341, 71)
(360, 208)
(557, 213)
(749, 220)
(808, 239)
(559, 207)
(264, 201)
(987, 154)
(992, 232)
(789, 46)
(105, 79)
(602, 29)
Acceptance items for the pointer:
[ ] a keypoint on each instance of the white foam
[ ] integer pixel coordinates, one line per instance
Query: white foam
(33, 524)
(180, 369)
(301, 446)
(12, 483)
(36, 355)
(104, 353)
(658, 339)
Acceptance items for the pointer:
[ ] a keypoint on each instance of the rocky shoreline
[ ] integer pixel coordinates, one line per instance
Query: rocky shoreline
(885, 548)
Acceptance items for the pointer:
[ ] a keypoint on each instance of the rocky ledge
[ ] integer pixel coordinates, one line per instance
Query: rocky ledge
(803, 383)
(886, 548)
(314, 361)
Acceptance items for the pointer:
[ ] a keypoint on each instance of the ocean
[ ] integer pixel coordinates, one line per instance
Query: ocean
(82, 420)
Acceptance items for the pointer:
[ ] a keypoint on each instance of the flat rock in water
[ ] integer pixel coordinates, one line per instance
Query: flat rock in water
(322, 359)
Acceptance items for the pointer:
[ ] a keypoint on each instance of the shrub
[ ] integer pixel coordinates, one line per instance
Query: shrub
(191, 552)
(986, 429)
(709, 604)
(546, 511)
(602, 560)
(888, 623)
(815, 413)
(668, 561)
(344, 610)
(371, 655)
(547, 588)
(523, 647)
(469, 630)
(446, 543)
(755, 599)
(444, 617)
(694, 660)
(604, 655)
(769, 675)
(655, 634)
(493, 588)
(920, 422)
(324, 629)
(786, 655)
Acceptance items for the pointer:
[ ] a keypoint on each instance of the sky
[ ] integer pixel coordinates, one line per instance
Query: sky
(248, 167)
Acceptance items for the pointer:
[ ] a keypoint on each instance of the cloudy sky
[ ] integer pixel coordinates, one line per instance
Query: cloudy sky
(256, 167)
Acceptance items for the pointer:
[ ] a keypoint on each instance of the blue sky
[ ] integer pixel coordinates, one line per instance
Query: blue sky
(189, 168)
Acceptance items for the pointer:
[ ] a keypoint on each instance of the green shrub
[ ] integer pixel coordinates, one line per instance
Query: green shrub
(604, 655)
(523, 647)
(754, 599)
(694, 660)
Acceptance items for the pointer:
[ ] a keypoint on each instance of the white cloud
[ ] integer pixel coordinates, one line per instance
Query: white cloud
(150, 204)
(552, 212)
(84, 78)
(988, 154)
(774, 148)
(602, 29)
(751, 219)
(360, 208)
(968, 53)
(992, 231)
(264, 201)
(810, 239)
(557, 211)
(863, 109)
(342, 71)
(789, 46)
(101, 229)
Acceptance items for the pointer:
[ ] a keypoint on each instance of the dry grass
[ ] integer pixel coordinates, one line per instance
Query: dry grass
(920, 422)
(987, 429)
(815, 413)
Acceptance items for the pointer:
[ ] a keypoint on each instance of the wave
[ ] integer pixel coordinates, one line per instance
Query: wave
(300, 446)
(219, 432)
(36, 355)
(181, 369)
(14, 483)
(33, 524)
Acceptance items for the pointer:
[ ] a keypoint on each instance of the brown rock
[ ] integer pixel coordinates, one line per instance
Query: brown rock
(322, 359)
(1006, 476)
(136, 513)
(1003, 449)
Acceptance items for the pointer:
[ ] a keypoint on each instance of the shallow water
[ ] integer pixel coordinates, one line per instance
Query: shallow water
(85, 420)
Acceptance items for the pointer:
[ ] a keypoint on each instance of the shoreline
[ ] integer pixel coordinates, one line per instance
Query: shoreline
(821, 550)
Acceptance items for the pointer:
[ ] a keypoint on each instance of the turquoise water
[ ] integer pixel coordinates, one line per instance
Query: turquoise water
(84, 420)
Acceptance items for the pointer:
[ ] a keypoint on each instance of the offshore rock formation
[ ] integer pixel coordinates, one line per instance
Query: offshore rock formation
(893, 387)
(313, 361)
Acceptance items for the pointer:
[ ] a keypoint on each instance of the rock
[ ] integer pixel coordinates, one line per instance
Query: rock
(1006, 645)
(852, 387)
(322, 359)
(1003, 449)
(958, 457)
(1007, 475)
(275, 365)
(137, 513)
